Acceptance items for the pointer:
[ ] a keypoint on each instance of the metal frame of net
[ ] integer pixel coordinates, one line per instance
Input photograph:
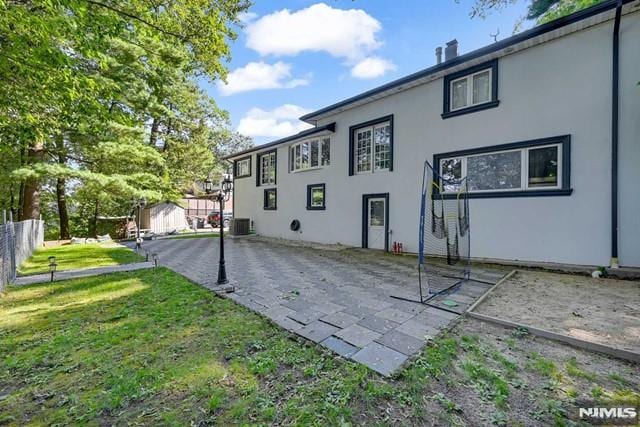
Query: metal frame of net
(444, 240)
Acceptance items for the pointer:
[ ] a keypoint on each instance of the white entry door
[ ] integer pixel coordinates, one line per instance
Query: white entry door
(376, 222)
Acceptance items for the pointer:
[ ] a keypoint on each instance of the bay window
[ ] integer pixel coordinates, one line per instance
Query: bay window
(310, 154)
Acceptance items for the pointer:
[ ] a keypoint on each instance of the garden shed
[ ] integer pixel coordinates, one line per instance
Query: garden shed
(163, 217)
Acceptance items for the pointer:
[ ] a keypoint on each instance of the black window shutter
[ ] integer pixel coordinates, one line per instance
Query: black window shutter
(351, 160)
(258, 170)
(391, 144)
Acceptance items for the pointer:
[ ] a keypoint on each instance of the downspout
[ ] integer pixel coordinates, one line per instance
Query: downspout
(614, 136)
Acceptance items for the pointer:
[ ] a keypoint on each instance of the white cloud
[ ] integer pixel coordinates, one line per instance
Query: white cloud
(260, 75)
(246, 17)
(277, 123)
(372, 67)
(349, 34)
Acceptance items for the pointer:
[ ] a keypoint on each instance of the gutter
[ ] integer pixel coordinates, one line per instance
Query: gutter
(573, 18)
(331, 127)
(614, 135)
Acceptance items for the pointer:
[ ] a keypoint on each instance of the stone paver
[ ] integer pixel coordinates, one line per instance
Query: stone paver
(339, 346)
(418, 329)
(380, 358)
(340, 319)
(405, 344)
(305, 316)
(395, 315)
(317, 331)
(378, 324)
(358, 335)
(342, 300)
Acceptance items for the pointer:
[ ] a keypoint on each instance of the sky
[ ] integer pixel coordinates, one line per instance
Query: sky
(292, 57)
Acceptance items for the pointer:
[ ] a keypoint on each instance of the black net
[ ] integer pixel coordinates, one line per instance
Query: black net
(444, 237)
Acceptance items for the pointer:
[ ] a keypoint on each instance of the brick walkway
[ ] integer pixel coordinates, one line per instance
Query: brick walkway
(339, 299)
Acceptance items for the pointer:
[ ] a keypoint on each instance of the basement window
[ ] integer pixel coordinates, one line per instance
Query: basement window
(316, 197)
(529, 168)
(270, 199)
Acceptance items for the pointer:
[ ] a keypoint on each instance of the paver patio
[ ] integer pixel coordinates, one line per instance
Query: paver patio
(343, 300)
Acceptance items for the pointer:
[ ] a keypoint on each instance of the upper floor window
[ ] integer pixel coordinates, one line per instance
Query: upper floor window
(267, 168)
(537, 166)
(243, 167)
(371, 146)
(471, 90)
(310, 154)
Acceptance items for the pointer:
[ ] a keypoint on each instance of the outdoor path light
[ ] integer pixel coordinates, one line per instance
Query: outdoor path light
(52, 266)
(223, 195)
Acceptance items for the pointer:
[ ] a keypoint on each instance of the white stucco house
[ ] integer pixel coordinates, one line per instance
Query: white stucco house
(554, 112)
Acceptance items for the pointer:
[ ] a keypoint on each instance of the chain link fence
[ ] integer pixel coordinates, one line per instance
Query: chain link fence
(18, 240)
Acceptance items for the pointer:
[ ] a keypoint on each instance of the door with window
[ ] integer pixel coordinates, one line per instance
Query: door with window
(376, 221)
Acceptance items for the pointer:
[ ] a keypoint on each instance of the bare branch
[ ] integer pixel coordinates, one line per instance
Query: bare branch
(137, 18)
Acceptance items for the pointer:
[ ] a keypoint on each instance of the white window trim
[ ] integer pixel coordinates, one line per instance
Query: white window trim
(469, 79)
(292, 161)
(372, 167)
(524, 169)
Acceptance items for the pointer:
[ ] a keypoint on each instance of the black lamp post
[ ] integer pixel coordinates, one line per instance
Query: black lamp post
(223, 195)
(52, 266)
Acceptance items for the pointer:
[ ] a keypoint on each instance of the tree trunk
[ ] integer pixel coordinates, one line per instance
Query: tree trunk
(93, 223)
(61, 194)
(31, 198)
(153, 137)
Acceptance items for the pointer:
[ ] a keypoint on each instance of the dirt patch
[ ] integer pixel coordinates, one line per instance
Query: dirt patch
(604, 311)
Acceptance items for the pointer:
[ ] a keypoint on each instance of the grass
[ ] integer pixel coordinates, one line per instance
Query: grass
(71, 257)
(150, 347)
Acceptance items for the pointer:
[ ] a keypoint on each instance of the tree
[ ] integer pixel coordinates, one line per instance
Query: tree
(103, 95)
(540, 10)
(228, 142)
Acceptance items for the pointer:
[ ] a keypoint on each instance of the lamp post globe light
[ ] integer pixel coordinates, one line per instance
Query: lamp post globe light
(222, 196)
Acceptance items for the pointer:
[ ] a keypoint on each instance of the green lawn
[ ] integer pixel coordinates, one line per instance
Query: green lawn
(150, 347)
(71, 257)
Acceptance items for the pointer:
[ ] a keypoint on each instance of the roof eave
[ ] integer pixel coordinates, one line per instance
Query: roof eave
(331, 127)
(445, 67)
